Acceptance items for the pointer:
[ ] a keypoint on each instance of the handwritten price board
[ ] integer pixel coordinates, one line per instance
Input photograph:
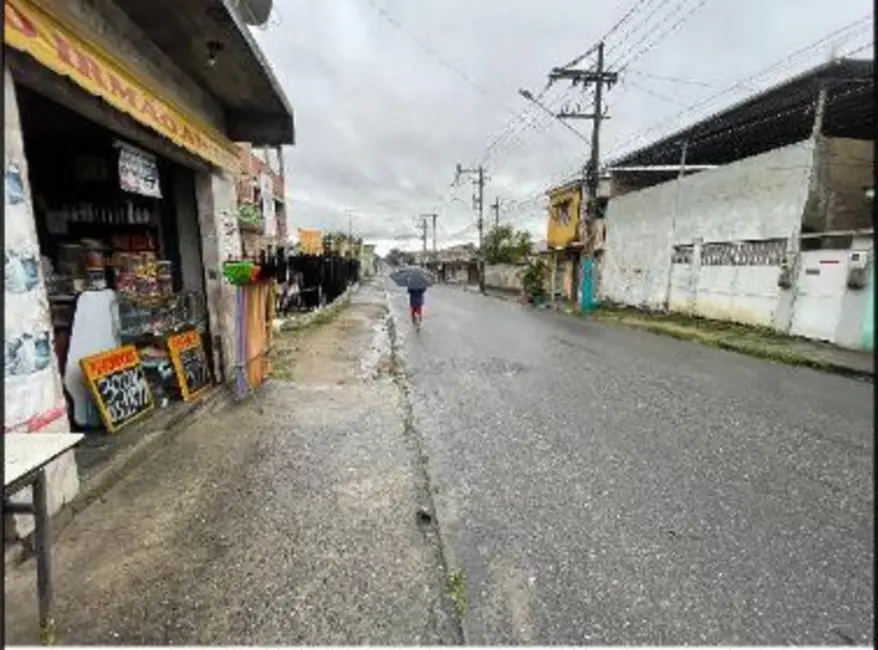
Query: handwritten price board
(190, 363)
(118, 383)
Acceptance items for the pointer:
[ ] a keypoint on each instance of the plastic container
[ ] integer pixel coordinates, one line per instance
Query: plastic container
(239, 272)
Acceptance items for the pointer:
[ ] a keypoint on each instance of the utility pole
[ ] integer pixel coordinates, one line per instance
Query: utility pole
(424, 234)
(601, 78)
(479, 204)
(434, 217)
(495, 206)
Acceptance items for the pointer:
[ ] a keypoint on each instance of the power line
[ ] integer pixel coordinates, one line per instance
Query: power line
(722, 133)
(652, 93)
(768, 119)
(535, 127)
(512, 127)
(740, 83)
(576, 61)
(683, 20)
(691, 82)
(426, 48)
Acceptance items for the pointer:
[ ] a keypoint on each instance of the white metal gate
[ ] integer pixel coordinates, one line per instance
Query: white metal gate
(820, 289)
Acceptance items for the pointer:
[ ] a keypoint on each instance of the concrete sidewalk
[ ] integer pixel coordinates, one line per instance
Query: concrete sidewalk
(299, 517)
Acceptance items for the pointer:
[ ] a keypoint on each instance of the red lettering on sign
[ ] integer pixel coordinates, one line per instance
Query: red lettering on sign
(18, 21)
(188, 135)
(122, 91)
(111, 362)
(89, 68)
(149, 109)
(167, 121)
(64, 50)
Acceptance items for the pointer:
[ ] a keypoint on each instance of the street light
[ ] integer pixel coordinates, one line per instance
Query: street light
(529, 96)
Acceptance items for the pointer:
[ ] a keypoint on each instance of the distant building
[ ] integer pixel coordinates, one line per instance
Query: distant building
(260, 187)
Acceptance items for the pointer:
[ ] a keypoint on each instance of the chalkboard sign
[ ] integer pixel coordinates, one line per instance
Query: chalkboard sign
(119, 386)
(190, 363)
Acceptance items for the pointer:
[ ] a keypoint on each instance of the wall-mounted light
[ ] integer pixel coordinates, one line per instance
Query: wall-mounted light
(214, 48)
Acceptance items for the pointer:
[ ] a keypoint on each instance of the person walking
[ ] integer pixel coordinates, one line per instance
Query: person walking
(416, 306)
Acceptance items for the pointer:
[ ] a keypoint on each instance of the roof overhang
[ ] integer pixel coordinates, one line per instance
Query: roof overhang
(241, 80)
(777, 117)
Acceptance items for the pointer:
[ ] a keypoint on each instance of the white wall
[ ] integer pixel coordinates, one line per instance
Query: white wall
(761, 197)
(504, 276)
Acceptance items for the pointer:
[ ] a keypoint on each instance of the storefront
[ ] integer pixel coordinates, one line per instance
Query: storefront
(114, 225)
(120, 205)
(109, 230)
(120, 211)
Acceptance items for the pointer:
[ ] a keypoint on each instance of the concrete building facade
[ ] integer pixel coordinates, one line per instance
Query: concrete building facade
(771, 226)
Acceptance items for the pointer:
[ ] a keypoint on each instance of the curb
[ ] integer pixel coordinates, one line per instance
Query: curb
(94, 487)
(497, 294)
(794, 360)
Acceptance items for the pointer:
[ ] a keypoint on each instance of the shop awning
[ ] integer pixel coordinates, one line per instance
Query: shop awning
(257, 111)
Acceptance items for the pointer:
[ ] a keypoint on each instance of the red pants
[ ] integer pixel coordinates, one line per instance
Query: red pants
(417, 312)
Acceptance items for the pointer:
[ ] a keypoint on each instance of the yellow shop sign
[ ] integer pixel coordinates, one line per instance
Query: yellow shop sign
(31, 30)
(311, 242)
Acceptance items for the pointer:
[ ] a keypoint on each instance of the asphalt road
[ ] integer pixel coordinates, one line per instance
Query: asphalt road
(599, 485)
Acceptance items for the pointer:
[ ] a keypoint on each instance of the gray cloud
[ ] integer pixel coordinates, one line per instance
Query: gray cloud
(384, 114)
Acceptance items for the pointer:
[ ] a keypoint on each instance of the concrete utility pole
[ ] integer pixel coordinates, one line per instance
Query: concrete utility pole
(434, 217)
(479, 204)
(495, 206)
(424, 233)
(601, 79)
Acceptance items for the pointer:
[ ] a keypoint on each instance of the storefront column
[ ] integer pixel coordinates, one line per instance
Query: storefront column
(221, 241)
(32, 391)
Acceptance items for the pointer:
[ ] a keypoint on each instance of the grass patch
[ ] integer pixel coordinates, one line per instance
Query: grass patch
(316, 318)
(292, 337)
(614, 312)
(734, 338)
(457, 590)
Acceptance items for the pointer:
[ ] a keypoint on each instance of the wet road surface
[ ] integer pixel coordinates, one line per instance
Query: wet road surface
(608, 486)
(591, 484)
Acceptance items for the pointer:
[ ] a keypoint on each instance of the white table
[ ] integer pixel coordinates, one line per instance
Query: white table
(26, 456)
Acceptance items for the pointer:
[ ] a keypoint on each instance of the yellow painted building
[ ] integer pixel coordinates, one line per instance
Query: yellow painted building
(562, 237)
(565, 203)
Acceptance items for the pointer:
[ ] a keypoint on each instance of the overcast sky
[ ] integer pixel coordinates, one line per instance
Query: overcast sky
(390, 94)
